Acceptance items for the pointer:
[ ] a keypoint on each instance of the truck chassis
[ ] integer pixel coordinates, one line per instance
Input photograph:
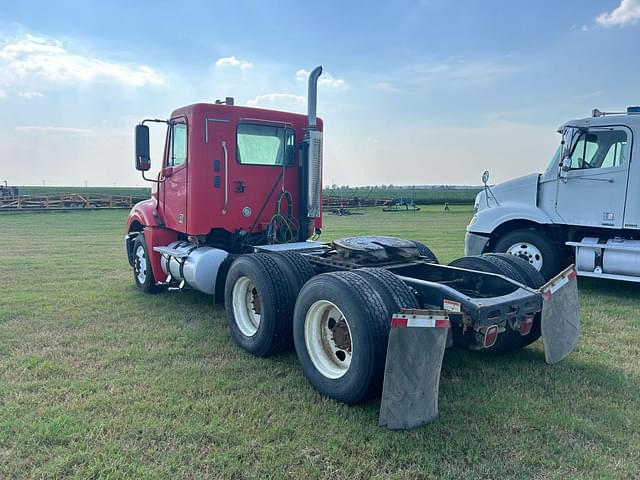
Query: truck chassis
(338, 304)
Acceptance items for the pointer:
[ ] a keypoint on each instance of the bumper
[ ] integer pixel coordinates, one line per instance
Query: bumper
(474, 244)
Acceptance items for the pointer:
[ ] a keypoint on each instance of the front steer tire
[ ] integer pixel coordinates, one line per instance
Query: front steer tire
(259, 304)
(141, 263)
(550, 256)
(367, 317)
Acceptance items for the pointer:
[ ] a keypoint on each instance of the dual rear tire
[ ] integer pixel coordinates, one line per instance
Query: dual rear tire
(338, 322)
(260, 293)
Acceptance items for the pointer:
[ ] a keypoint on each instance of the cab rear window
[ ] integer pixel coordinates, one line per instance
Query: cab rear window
(264, 144)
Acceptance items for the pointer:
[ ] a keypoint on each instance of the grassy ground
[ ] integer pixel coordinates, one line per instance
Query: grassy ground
(100, 381)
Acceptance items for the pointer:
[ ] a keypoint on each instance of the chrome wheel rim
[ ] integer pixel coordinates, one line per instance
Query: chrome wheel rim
(328, 339)
(529, 252)
(247, 307)
(140, 264)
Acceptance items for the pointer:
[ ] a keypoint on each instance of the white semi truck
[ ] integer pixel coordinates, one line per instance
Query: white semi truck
(584, 208)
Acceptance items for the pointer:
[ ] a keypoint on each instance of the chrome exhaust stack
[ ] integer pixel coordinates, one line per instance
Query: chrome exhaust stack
(314, 149)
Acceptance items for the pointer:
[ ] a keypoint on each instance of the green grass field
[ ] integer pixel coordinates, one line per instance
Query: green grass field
(100, 381)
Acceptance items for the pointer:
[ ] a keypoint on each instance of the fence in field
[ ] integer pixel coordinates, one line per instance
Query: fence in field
(65, 201)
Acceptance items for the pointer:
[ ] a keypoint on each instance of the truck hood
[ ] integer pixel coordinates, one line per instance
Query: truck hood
(518, 190)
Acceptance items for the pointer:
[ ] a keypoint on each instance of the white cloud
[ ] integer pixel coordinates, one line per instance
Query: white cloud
(47, 58)
(627, 13)
(2, 93)
(461, 70)
(279, 101)
(29, 95)
(387, 87)
(233, 62)
(326, 79)
(54, 130)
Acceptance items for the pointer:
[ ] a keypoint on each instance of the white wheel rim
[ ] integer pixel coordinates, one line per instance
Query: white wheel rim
(328, 339)
(140, 264)
(529, 252)
(247, 306)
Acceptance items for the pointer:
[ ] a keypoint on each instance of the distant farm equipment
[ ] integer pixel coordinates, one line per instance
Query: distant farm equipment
(8, 191)
(401, 205)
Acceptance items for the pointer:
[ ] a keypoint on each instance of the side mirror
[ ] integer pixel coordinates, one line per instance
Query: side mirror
(485, 177)
(143, 159)
(565, 166)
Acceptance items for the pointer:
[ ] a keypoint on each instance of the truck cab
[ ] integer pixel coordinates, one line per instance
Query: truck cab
(230, 177)
(585, 206)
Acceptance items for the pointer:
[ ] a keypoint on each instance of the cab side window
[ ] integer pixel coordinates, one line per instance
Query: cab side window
(600, 149)
(178, 146)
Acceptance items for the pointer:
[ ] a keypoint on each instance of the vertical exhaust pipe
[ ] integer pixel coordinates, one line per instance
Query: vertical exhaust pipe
(310, 165)
(312, 96)
(313, 139)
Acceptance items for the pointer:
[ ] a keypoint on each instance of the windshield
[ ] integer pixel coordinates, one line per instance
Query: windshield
(555, 159)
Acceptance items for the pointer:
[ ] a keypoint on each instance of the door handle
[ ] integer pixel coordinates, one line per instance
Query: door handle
(226, 178)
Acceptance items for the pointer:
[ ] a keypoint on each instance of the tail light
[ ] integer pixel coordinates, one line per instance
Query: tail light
(490, 336)
(526, 325)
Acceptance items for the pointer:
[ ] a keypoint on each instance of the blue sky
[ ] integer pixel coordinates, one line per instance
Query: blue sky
(413, 93)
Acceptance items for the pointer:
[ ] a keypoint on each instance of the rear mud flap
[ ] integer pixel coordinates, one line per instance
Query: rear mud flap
(560, 315)
(417, 341)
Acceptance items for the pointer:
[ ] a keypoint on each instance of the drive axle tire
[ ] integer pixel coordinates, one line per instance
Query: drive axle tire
(340, 331)
(297, 269)
(395, 293)
(534, 247)
(532, 279)
(426, 252)
(142, 272)
(259, 304)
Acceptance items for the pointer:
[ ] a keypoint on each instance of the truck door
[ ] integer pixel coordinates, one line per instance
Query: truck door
(174, 200)
(592, 187)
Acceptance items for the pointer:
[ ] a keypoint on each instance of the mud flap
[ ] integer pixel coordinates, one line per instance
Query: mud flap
(560, 315)
(417, 341)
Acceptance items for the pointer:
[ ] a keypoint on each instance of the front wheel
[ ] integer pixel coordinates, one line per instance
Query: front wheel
(142, 272)
(534, 247)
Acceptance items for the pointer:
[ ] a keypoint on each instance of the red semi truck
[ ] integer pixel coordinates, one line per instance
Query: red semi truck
(237, 199)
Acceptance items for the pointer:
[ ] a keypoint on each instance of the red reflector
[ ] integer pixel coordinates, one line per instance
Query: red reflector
(525, 326)
(490, 336)
(398, 322)
(443, 324)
